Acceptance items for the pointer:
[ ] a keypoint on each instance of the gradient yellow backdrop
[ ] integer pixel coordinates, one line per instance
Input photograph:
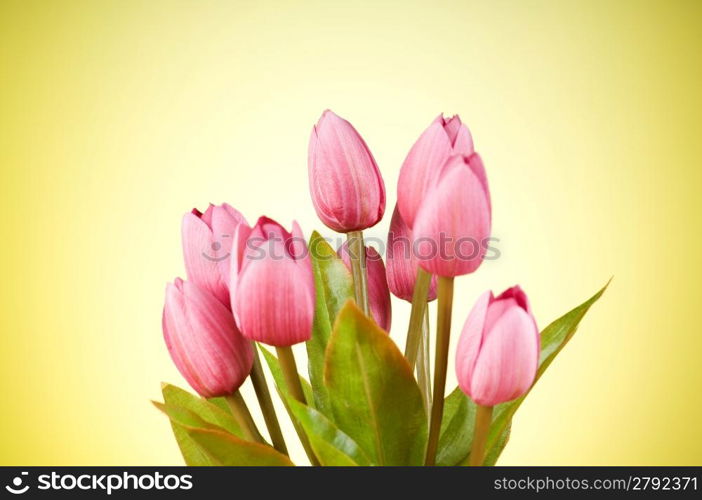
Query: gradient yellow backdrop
(118, 116)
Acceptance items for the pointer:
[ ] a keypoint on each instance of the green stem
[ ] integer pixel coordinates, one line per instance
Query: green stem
(258, 380)
(357, 254)
(286, 359)
(443, 336)
(243, 417)
(423, 368)
(419, 305)
(483, 419)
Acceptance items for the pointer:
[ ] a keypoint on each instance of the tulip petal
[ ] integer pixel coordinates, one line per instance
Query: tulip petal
(272, 305)
(201, 258)
(402, 262)
(347, 189)
(470, 341)
(453, 223)
(507, 361)
(518, 295)
(203, 340)
(475, 162)
(459, 135)
(420, 169)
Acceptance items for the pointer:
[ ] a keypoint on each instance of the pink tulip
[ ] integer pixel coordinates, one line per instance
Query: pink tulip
(207, 243)
(420, 169)
(452, 226)
(402, 261)
(347, 189)
(203, 340)
(498, 352)
(378, 293)
(273, 295)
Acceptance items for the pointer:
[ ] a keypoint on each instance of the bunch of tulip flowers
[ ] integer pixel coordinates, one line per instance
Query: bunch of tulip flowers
(249, 285)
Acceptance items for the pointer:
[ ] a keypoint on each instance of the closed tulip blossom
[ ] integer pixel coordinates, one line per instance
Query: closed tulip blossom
(378, 292)
(273, 294)
(207, 243)
(498, 352)
(203, 340)
(347, 189)
(452, 226)
(420, 170)
(402, 261)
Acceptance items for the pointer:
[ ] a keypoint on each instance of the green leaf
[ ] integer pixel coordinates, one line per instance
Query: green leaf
(334, 286)
(189, 409)
(456, 436)
(183, 417)
(226, 449)
(209, 411)
(459, 414)
(192, 453)
(373, 394)
(330, 445)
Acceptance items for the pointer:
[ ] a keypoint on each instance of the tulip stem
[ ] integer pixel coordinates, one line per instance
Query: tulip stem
(357, 253)
(443, 336)
(483, 419)
(243, 417)
(419, 305)
(423, 368)
(258, 379)
(286, 359)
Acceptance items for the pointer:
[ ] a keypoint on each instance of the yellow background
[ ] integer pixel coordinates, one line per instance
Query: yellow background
(116, 117)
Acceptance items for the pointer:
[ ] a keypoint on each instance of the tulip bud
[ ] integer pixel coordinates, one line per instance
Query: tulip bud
(378, 293)
(273, 294)
(347, 189)
(420, 169)
(207, 243)
(498, 352)
(402, 261)
(203, 340)
(452, 226)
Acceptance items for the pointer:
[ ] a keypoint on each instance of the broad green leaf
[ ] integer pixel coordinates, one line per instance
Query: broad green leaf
(334, 286)
(209, 411)
(373, 394)
(456, 436)
(192, 453)
(206, 411)
(226, 449)
(181, 416)
(330, 445)
(459, 415)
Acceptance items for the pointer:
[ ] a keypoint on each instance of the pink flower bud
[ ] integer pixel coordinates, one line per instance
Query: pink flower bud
(452, 226)
(420, 169)
(347, 189)
(378, 293)
(207, 244)
(273, 295)
(203, 340)
(402, 261)
(498, 352)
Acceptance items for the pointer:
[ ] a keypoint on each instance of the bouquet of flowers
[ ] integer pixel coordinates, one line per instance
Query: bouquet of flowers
(255, 291)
